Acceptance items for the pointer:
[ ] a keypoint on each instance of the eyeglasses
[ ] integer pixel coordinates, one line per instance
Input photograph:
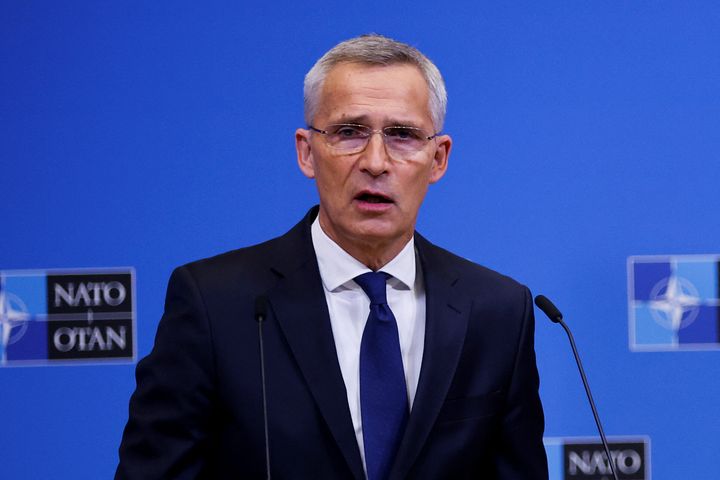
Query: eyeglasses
(348, 139)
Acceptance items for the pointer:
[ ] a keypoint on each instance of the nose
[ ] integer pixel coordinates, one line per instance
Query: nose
(375, 159)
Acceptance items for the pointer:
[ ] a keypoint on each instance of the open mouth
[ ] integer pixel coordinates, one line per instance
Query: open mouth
(373, 198)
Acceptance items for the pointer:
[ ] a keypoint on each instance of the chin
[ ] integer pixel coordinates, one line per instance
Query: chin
(379, 233)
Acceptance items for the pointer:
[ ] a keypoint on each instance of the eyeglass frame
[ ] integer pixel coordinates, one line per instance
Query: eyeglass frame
(372, 132)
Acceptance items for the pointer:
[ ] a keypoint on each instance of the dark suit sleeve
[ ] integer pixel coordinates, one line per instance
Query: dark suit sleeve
(167, 432)
(521, 453)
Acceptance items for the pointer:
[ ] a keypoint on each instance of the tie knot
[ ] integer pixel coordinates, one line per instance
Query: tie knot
(373, 284)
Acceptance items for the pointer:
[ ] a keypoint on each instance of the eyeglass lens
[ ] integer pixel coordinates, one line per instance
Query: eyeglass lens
(354, 138)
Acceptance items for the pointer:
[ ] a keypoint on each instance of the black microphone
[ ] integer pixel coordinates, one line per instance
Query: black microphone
(552, 312)
(261, 302)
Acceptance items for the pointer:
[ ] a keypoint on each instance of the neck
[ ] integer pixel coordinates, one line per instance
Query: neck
(371, 252)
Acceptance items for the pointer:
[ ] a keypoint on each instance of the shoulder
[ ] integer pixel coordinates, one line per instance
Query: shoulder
(254, 268)
(437, 259)
(245, 260)
(485, 286)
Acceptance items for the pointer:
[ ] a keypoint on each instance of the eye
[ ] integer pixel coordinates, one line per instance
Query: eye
(348, 131)
(403, 133)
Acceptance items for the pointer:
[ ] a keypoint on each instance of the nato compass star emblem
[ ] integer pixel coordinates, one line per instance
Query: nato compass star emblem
(14, 318)
(674, 302)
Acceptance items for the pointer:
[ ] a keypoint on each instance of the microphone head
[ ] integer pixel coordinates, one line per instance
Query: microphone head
(548, 308)
(261, 302)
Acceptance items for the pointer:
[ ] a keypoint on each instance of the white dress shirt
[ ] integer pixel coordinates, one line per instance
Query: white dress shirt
(349, 308)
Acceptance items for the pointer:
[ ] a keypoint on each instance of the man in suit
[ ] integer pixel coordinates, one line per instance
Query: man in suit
(386, 357)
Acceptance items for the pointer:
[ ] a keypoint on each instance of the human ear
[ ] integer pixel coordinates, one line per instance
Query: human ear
(304, 152)
(440, 158)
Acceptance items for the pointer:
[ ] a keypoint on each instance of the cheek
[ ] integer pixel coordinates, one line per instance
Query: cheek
(329, 183)
(417, 184)
(336, 173)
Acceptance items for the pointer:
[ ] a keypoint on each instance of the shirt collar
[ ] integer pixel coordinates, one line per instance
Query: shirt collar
(337, 267)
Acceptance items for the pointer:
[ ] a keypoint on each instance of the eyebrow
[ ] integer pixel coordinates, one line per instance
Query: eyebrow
(364, 120)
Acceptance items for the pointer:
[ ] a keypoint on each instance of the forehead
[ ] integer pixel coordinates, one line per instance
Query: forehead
(377, 92)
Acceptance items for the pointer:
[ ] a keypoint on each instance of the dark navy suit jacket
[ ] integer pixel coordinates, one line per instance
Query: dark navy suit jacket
(197, 410)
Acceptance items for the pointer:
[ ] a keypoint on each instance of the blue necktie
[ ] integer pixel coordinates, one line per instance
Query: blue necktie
(383, 395)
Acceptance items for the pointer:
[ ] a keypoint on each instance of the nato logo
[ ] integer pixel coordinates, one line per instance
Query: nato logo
(57, 317)
(573, 458)
(674, 302)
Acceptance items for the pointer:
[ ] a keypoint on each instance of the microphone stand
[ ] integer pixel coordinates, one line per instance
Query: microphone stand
(554, 315)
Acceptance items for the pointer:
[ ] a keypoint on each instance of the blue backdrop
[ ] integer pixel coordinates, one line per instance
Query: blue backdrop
(150, 134)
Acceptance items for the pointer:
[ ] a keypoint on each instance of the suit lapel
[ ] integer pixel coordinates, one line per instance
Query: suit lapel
(446, 320)
(298, 301)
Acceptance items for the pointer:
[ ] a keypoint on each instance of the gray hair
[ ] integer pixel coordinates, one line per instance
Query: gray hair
(374, 49)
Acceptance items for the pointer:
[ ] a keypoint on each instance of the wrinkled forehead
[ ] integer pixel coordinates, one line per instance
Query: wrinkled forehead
(358, 90)
(378, 72)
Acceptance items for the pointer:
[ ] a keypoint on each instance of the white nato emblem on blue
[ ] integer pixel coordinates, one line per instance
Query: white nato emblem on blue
(674, 302)
(14, 317)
